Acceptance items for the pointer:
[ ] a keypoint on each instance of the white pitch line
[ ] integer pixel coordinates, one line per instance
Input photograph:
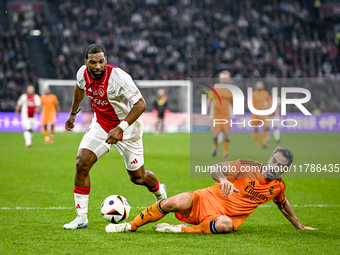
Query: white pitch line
(134, 207)
(303, 206)
(36, 208)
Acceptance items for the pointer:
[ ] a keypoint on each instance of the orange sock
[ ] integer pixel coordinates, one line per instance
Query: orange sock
(206, 227)
(264, 137)
(256, 138)
(150, 214)
(45, 133)
(226, 147)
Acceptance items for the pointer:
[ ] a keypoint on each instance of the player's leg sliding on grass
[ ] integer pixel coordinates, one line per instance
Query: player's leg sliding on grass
(182, 205)
(225, 205)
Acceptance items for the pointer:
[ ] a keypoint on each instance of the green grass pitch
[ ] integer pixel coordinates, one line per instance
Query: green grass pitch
(36, 199)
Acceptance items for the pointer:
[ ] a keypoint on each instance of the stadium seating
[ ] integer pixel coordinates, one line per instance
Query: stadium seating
(170, 39)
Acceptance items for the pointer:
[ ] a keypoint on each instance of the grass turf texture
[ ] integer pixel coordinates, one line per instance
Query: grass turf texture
(41, 178)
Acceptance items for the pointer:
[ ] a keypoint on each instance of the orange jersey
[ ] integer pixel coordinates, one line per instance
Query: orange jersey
(49, 103)
(222, 111)
(260, 97)
(254, 190)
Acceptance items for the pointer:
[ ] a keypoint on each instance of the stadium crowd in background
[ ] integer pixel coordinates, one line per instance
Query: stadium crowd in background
(168, 39)
(16, 68)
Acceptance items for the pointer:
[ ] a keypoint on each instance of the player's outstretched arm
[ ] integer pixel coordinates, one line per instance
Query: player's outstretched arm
(288, 212)
(221, 176)
(78, 95)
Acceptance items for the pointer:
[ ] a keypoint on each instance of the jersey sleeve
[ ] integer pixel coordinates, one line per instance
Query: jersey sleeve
(80, 77)
(37, 100)
(281, 197)
(56, 102)
(21, 99)
(129, 89)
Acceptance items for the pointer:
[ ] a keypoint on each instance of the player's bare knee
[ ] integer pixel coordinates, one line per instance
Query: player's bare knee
(83, 166)
(224, 224)
(169, 205)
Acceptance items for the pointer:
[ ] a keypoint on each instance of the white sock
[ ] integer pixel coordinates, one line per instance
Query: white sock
(277, 134)
(28, 138)
(82, 204)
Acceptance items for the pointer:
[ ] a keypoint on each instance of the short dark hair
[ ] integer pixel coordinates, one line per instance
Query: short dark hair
(288, 154)
(93, 49)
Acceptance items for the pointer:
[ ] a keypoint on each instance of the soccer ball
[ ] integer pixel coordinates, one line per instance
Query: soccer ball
(115, 208)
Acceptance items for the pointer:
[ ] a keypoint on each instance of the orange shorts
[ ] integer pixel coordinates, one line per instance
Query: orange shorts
(206, 207)
(221, 127)
(48, 118)
(256, 120)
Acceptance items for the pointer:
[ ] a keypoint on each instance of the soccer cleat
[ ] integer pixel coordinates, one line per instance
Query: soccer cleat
(118, 228)
(78, 222)
(47, 139)
(162, 192)
(168, 228)
(225, 157)
(214, 151)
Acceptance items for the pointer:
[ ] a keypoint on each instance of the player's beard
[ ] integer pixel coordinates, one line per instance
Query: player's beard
(96, 76)
(268, 177)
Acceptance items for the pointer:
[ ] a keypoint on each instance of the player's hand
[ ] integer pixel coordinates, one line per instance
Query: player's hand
(228, 187)
(114, 135)
(308, 228)
(69, 123)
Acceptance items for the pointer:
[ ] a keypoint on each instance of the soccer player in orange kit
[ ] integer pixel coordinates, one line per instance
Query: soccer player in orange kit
(242, 186)
(261, 101)
(222, 111)
(50, 108)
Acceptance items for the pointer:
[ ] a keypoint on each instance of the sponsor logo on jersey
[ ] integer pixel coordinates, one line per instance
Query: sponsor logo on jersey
(134, 94)
(271, 190)
(255, 196)
(99, 101)
(252, 183)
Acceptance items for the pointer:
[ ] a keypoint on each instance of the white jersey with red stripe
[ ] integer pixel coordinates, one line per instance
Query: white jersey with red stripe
(28, 104)
(112, 98)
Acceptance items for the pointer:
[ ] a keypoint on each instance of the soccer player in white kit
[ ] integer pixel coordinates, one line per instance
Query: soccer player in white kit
(117, 103)
(28, 104)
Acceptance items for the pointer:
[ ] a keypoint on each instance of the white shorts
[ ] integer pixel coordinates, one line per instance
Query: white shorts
(28, 123)
(132, 152)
